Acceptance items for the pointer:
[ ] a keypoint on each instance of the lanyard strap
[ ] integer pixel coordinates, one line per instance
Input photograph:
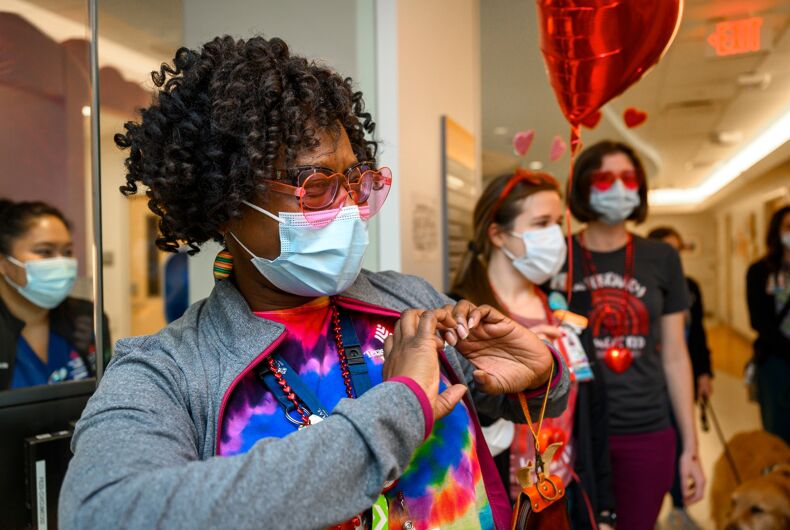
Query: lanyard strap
(298, 387)
(356, 360)
(293, 387)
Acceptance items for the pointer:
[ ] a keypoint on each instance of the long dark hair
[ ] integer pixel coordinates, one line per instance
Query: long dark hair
(16, 218)
(500, 203)
(773, 240)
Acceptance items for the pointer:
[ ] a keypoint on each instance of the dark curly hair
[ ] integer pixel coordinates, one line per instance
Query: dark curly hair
(220, 121)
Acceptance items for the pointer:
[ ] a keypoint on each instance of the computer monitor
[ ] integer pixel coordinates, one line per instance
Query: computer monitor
(32, 421)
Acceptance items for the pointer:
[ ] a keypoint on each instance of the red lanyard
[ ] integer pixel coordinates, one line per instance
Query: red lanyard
(344, 369)
(592, 271)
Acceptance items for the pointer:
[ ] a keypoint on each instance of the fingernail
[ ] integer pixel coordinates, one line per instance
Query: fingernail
(462, 331)
(450, 338)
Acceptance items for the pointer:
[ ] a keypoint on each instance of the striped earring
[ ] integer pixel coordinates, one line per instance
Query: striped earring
(223, 265)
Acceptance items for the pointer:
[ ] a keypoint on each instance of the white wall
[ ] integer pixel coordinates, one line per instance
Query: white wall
(701, 262)
(438, 60)
(115, 230)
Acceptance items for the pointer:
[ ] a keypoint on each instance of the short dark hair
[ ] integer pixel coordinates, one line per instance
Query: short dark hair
(589, 161)
(223, 117)
(661, 232)
(16, 218)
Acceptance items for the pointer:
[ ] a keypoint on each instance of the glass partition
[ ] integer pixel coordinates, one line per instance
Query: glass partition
(46, 226)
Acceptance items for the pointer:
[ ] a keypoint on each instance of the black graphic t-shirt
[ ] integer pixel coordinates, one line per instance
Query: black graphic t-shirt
(638, 400)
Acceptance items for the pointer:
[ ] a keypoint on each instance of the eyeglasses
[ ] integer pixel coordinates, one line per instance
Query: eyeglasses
(322, 192)
(603, 180)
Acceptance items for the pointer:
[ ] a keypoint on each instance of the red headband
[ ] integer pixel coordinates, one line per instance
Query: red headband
(522, 175)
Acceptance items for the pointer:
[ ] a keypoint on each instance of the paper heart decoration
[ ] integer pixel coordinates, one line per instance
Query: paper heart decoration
(634, 118)
(618, 359)
(595, 49)
(591, 121)
(558, 148)
(522, 141)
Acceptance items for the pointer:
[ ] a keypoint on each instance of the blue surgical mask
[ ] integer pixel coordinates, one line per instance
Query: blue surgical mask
(545, 254)
(314, 261)
(49, 281)
(616, 204)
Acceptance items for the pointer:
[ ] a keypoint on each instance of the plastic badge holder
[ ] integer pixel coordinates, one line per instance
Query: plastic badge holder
(571, 346)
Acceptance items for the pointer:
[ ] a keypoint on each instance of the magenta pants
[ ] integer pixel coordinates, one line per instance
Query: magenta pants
(643, 468)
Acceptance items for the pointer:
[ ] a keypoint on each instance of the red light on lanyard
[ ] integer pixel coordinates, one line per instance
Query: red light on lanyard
(735, 37)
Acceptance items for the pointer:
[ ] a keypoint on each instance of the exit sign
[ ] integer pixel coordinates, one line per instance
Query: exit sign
(737, 37)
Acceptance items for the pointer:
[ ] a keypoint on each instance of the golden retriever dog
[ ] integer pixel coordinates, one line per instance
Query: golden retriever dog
(762, 503)
(761, 500)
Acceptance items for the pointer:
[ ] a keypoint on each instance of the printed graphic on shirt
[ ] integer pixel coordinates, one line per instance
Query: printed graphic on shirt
(629, 314)
(617, 316)
(443, 485)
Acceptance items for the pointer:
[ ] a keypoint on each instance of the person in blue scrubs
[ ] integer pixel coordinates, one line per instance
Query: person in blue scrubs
(45, 336)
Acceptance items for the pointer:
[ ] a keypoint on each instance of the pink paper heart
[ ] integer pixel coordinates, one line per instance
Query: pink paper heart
(558, 148)
(522, 141)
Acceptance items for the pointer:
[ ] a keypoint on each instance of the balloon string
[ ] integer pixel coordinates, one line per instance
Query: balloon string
(575, 146)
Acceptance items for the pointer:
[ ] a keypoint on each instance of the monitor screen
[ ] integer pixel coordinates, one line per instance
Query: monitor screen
(29, 413)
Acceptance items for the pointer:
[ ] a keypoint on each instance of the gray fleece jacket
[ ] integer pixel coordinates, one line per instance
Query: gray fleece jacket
(145, 447)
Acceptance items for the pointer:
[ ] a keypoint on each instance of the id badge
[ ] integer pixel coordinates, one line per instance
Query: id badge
(577, 359)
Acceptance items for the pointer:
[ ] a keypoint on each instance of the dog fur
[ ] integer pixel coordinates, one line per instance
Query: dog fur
(760, 502)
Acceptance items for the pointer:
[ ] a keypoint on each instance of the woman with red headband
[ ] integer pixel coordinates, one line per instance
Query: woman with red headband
(519, 246)
(634, 293)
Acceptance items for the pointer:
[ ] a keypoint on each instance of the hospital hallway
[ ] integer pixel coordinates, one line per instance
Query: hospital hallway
(729, 353)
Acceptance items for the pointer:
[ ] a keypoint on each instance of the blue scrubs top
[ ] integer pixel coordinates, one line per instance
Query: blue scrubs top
(63, 364)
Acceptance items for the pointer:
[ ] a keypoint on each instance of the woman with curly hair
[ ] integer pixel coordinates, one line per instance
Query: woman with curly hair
(304, 392)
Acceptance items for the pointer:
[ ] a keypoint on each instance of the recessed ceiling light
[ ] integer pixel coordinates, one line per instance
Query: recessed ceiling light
(691, 165)
(754, 80)
(500, 131)
(727, 137)
(536, 165)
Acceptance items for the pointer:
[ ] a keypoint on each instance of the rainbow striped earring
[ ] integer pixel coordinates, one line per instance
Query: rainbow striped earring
(223, 265)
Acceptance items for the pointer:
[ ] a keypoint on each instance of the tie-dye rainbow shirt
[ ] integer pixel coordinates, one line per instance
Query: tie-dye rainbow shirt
(443, 485)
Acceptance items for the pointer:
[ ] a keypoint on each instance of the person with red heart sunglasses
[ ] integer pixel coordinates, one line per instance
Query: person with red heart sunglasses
(633, 292)
(304, 392)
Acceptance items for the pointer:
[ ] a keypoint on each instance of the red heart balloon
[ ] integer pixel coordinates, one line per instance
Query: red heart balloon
(595, 49)
(618, 359)
(634, 118)
(591, 121)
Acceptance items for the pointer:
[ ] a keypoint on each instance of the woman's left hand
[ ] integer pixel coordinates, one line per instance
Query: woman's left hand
(692, 478)
(508, 358)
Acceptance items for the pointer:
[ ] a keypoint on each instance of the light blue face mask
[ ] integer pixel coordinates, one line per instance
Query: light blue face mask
(545, 253)
(314, 261)
(49, 281)
(615, 204)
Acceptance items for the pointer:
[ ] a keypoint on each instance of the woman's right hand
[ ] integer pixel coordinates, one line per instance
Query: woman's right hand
(413, 351)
